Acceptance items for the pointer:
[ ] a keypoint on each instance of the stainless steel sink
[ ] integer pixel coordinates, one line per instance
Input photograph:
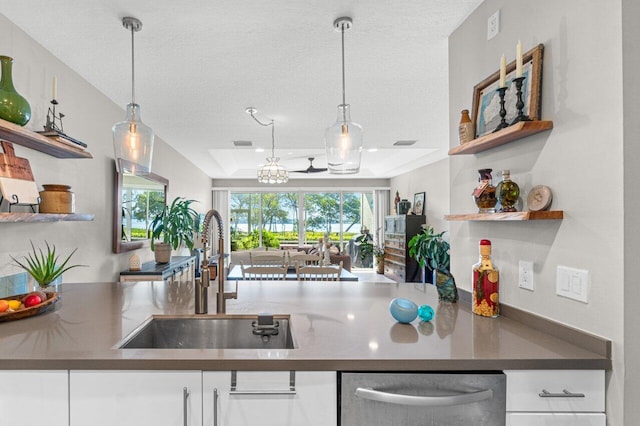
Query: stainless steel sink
(210, 332)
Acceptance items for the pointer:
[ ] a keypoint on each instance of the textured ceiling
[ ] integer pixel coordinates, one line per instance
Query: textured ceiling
(199, 64)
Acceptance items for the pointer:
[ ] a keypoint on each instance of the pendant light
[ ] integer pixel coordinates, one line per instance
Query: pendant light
(272, 172)
(132, 139)
(343, 140)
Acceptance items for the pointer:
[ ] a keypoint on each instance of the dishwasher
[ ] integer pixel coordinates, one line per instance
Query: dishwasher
(422, 399)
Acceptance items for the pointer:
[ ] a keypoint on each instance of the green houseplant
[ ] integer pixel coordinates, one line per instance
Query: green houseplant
(431, 250)
(45, 267)
(365, 242)
(378, 253)
(173, 227)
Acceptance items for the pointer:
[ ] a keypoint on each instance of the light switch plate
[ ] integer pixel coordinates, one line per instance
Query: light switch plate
(572, 283)
(493, 25)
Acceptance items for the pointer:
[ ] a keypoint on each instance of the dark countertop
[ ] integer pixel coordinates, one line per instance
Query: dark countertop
(160, 269)
(335, 326)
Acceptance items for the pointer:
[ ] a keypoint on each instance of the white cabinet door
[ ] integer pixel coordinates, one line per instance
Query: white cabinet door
(135, 398)
(314, 402)
(34, 397)
(556, 419)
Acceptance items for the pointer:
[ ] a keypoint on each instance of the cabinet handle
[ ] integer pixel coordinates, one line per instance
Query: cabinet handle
(565, 394)
(424, 401)
(185, 405)
(290, 391)
(215, 406)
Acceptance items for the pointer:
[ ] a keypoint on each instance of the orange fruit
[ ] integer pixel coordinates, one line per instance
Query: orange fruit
(4, 305)
(493, 276)
(494, 297)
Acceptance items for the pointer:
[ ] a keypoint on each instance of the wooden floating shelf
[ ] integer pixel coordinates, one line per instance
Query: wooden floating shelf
(11, 132)
(44, 217)
(509, 134)
(509, 216)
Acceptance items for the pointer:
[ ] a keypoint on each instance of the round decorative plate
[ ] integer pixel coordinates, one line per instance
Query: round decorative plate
(539, 198)
(52, 298)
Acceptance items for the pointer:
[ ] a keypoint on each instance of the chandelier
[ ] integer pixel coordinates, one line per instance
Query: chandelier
(272, 172)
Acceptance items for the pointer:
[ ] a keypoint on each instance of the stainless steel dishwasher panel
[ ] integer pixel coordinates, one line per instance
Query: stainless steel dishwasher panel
(416, 399)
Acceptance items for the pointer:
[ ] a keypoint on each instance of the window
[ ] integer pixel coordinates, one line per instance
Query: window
(292, 219)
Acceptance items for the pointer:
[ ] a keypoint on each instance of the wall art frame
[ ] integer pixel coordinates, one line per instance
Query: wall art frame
(418, 203)
(485, 107)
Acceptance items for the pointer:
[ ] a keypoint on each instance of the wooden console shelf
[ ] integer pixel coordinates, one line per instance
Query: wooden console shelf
(510, 216)
(517, 131)
(19, 135)
(44, 217)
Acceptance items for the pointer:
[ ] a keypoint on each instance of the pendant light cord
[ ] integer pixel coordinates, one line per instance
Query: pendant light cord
(133, 69)
(343, 79)
(273, 132)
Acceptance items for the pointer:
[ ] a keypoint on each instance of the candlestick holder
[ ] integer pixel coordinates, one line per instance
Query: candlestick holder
(503, 111)
(519, 103)
(54, 122)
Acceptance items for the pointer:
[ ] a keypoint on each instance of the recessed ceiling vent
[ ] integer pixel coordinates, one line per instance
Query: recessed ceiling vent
(242, 144)
(405, 143)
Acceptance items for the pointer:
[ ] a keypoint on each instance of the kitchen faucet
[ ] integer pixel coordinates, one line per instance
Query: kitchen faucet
(202, 284)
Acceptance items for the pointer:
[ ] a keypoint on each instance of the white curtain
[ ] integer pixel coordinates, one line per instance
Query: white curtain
(381, 209)
(221, 204)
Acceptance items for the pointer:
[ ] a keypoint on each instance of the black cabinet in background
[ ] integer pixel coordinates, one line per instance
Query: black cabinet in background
(398, 230)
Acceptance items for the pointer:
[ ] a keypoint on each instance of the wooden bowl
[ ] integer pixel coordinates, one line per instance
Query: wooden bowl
(52, 298)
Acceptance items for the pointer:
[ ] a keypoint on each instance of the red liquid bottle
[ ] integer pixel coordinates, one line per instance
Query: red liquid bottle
(485, 284)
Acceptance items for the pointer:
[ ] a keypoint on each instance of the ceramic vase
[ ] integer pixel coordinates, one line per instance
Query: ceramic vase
(13, 107)
(162, 252)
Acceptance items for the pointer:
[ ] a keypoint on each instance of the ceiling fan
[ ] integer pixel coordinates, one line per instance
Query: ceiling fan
(311, 169)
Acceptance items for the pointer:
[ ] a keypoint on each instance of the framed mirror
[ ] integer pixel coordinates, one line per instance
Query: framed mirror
(137, 199)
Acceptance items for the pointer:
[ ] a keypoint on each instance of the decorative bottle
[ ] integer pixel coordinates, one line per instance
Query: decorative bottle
(485, 284)
(485, 193)
(13, 107)
(466, 131)
(508, 192)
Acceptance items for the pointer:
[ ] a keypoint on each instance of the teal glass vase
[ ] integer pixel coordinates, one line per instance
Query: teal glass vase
(13, 107)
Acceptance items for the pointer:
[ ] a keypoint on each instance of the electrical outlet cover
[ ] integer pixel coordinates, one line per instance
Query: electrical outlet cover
(493, 25)
(525, 275)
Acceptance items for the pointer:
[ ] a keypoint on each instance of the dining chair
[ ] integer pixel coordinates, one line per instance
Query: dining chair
(262, 273)
(303, 259)
(271, 259)
(319, 273)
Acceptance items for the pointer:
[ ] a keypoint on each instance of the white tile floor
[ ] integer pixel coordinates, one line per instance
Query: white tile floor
(369, 275)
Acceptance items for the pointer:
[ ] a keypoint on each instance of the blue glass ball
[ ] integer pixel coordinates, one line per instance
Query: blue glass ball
(403, 310)
(425, 312)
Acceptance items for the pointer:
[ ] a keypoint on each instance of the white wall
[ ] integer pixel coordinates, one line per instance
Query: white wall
(89, 117)
(433, 180)
(580, 159)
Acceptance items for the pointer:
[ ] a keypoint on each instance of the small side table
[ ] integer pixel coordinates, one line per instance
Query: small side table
(179, 269)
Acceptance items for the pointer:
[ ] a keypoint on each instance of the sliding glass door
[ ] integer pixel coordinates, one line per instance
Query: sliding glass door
(292, 219)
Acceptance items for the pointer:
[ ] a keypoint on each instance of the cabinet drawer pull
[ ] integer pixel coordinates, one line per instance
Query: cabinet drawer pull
(291, 391)
(565, 394)
(185, 406)
(424, 401)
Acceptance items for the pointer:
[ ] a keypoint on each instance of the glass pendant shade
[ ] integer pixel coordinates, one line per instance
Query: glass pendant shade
(272, 172)
(133, 143)
(343, 143)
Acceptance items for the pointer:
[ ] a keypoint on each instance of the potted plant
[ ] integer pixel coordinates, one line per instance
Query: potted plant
(45, 268)
(173, 227)
(431, 249)
(378, 253)
(365, 242)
